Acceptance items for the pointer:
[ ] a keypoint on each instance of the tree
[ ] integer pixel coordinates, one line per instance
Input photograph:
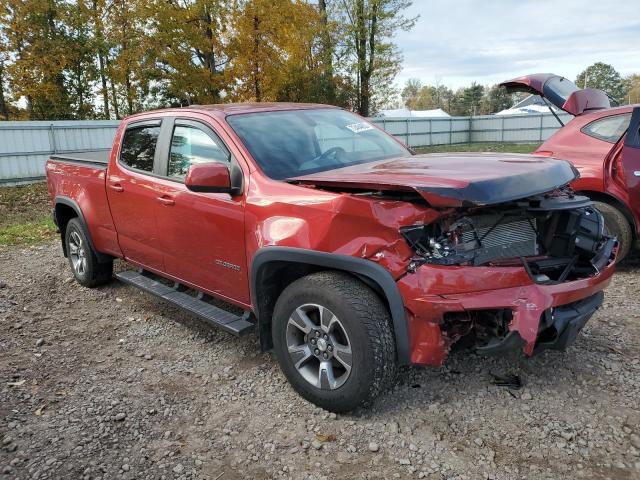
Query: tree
(604, 77)
(36, 38)
(416, 96)
(4, 108)
(4, 84)
(327, 79)
(274, 50)
(129, 61)
(632, 86)
(411, 92)
(495, 99)
(368, 30)
(466, 101)
(101, 51)
(189, 39)
(81, 71)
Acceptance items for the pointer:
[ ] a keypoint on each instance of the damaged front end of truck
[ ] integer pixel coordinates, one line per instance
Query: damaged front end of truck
(539, 246)
(512, 260)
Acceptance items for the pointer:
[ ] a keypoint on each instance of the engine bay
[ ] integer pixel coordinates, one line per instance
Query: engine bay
(556, 237)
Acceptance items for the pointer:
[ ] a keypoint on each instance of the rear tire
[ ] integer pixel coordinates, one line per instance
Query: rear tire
(617, 224)
(83, 260)
(315, 321)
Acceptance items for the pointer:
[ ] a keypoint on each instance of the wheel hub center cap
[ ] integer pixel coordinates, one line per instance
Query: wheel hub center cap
(322, 344)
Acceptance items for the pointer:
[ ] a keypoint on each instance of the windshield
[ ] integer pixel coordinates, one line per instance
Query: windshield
(558, 89)
(293, 143)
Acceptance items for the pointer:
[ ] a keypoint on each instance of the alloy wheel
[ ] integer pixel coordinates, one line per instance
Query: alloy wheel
(319, 346)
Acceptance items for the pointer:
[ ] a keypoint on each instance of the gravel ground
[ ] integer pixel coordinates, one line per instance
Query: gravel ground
(112, 383)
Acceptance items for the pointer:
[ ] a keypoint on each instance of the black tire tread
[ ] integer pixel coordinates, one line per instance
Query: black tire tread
(374, 315)
(619, 225)
(99, 273)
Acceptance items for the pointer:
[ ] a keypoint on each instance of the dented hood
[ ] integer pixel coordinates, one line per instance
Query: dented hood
(453, 180)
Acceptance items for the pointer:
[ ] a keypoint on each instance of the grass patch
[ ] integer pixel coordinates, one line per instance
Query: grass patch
(25, 215)
(481, 147)
(27, 233)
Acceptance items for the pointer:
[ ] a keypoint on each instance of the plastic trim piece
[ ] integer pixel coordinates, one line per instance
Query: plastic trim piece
(60, 200)
(508, 188)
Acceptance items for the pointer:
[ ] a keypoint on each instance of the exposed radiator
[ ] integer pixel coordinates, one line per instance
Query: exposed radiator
(494, 237)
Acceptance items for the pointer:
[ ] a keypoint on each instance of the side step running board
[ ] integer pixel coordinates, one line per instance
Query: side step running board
(216, 316)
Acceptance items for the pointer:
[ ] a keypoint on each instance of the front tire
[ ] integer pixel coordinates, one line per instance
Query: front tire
(83, 260)
(616, 224)
(333, 340)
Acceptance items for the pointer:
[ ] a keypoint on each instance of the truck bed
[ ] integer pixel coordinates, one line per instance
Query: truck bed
(78, 180)
(94, 158)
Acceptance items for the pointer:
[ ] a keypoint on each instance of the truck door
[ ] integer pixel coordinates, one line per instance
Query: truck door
(631, 162)
(202, 234)
(133, 196)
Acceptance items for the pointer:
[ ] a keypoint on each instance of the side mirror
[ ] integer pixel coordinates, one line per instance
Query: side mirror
(211, 177)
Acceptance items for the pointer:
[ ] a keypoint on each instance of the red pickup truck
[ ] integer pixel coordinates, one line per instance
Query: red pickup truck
(345, 251)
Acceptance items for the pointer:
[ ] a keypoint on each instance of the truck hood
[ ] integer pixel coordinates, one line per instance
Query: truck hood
(453, 180)
(561, 92)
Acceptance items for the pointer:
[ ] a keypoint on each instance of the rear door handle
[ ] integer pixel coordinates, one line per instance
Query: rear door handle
(116, 187)
(167, 201)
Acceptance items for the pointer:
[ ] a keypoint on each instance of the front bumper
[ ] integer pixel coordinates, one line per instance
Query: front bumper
(433, 291)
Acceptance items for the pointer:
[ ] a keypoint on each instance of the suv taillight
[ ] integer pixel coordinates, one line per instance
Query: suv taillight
(543, 153)
(617, 171)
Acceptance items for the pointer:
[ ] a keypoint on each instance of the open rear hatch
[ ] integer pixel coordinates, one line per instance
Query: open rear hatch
(560, 92)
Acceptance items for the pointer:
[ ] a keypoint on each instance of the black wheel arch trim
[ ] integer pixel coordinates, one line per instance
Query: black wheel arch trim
(359, 267)
(69, 202)
(615, 202)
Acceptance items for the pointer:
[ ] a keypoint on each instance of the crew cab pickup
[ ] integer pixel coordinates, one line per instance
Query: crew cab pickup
(347, 253)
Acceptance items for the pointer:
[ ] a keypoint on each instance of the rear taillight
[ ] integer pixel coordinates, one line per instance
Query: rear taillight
(617, 170)
(543, 153)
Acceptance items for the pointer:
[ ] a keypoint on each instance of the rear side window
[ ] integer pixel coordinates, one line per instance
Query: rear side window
(139, 147)
(609, 129)
(191, 145)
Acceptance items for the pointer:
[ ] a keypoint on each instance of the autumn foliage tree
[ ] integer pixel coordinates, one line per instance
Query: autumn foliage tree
(190, 41)
(37, 39)
(75, 59)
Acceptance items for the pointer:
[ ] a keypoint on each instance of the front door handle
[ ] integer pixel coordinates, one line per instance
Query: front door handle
(167, 201)
(116, 187)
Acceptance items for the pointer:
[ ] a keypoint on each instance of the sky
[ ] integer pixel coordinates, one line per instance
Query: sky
(457, 42)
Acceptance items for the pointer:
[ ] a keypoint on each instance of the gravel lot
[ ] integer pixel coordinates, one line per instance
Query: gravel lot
(112, 383)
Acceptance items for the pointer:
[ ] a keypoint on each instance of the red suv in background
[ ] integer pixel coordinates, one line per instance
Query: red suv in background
(598, 141)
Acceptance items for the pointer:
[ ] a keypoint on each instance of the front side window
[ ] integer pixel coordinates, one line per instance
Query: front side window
(292, 143)
(609, 129)
(139, 147)
(191, 145)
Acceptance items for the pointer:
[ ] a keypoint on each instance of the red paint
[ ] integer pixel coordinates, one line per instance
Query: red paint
(159, 224)
(595, 159)
(434, 171)
(575, 103)
(208, 175)
(599, 162)
(434, 291)
(585, 100)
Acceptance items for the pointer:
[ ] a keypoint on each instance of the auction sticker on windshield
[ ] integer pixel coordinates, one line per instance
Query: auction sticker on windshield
(359, 127)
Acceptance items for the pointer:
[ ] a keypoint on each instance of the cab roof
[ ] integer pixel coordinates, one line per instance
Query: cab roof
(225, 109)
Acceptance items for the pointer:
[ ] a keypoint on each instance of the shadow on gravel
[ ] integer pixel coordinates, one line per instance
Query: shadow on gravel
(511, 378)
